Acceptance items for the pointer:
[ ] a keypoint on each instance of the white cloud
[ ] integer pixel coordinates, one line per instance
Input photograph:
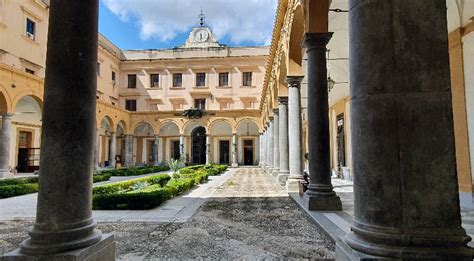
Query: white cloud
(241, 20)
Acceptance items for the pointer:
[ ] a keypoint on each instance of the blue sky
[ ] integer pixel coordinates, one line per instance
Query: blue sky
(155, 24)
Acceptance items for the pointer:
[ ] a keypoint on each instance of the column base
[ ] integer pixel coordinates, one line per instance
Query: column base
(282, 177)
(4, 173)
(293, 184)
(275, 172)
(323, 203)
(234, 165)
(104, 250)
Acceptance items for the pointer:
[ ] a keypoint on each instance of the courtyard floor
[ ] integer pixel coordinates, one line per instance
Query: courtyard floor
(242, 214)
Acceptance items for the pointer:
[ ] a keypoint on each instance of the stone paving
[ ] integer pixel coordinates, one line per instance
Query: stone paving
(247, 216)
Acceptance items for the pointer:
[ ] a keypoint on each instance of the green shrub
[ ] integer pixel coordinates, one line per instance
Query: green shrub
(18, 181)
(134, 201)
(18, 190)
(101, 177)
(134, 171)
(160, 179)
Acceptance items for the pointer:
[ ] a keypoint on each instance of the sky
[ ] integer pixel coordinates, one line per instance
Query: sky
(156, 24)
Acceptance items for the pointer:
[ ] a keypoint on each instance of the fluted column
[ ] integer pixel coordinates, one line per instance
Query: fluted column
(156, 149)
(404, 162)
(276, 143)
(283, 141)
(113, 149)
(234, 150)
(270, 147)
(294, 133)
(208, 149)
(320, 193)
(181, 147)
(5, 145)
(129, 150)
(64, 210)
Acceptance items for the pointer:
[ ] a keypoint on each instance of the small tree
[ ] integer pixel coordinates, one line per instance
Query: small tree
(176, 165)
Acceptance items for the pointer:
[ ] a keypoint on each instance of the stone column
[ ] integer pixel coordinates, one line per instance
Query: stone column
(5, 145)
(181, 147)
(260, 146)
(262, 149)
(129, 150)
(405, 182)
(156, 148)
(96, 150)
(283, 141)
(208, 149)
(294, 133)
(320, 193)
(113, 149)
(64, 210)
(276, 143)
(234, 151)
(270, 147)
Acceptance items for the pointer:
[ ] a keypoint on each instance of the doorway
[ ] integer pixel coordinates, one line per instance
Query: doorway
(248, 152)
(341, 146)
(175, 150)
(198, 149)
(24, 144)
(224, 152)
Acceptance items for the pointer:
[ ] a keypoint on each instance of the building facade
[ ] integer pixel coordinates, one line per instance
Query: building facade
(199, 101)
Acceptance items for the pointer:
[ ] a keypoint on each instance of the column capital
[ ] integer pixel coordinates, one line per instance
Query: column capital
(276, 111)
(316, 40)
(294, 81)
(283, 100)
(6, 115)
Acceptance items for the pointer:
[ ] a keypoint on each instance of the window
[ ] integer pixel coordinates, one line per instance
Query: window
(114, 78)
(131, 105)
(200, 104)
(247, 79)
(132, 81)
(30, 28)
(98, 69)
(29, 71)
(177, 79)
(200, 79)
(223, 79)
(154, 80)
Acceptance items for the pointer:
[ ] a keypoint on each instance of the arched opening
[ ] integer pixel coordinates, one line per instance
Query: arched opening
(247, 133)
(26, 134)
(104, 142)
(143, 140)
(221, 133)
(169, 140)
(120, 136)
(198, 146)
(3, 104)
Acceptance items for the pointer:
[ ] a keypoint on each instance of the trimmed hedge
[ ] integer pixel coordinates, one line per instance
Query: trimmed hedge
(18, 190)
(101, 177)
(135, 171)
(18, 181)
(161, 188)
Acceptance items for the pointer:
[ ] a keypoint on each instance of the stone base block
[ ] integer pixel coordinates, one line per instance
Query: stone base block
(345, 253)
(317, 203)
(282, 177)
(275, 172)
(293, 185)
(104, 250)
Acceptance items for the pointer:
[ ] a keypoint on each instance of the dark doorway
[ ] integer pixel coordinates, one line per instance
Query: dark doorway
(175, 147)
(24, 144)
(199, 145)
(224, 147)
(341, 146)
(248, 152)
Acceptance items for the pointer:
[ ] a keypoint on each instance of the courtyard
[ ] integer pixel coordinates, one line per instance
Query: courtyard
(242, 214)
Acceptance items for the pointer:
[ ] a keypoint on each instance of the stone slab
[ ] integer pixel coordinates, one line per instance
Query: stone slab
(104, 250)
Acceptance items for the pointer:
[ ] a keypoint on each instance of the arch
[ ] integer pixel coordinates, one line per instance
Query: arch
(134, 126)
(169, 128)
(216, 121)
(247, 126)
(198, 147)
(28, 109)
(122, 126)
(295, 52)
(34, 95)
(143, 129)
(192, 124)
(5, 101)
(221, 128)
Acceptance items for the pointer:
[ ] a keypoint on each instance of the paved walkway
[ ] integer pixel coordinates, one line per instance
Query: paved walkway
(339, 222)
(178, 209)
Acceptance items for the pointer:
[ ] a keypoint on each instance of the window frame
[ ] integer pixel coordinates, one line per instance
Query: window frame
(152, 85)
(134, 107)
(174, 82)
(220, 78)
(197, 103)
(27, 33)
(199, 81)
(128, 81)
(245, 82)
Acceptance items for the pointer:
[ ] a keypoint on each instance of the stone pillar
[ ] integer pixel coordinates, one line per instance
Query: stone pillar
(113, 149)
(405, 182)
(181, 147)
(96, 150)
(320, 193)
(64, 228)
(270, 147)
(129, 150)
(5, 145)
(260, 150)
(276, 143)
(294, 133)
(208, 149)
(156, 148)
(283, 141)
(234, 151)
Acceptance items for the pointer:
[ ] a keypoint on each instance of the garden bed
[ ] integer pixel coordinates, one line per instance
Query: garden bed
(22, 186)
(135, 171)
(150, 192)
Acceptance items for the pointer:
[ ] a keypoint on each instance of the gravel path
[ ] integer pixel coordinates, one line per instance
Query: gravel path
(249, 217)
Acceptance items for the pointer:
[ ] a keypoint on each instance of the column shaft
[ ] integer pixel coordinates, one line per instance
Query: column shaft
(129, 150)
(181, 148)
(405, 182)
(156, 148)
(113, 149)
(276, 143)
(5, 145)
(64, 211)
(96, 150)
(294, 133)
(270, 147)
(234, 150)
(320, 193)
(283, 140)
(208, 149)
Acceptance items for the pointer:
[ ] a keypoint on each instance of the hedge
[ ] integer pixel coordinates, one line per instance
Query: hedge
(135, 171)
(101, 177)
(161, 188)
(18, 181)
